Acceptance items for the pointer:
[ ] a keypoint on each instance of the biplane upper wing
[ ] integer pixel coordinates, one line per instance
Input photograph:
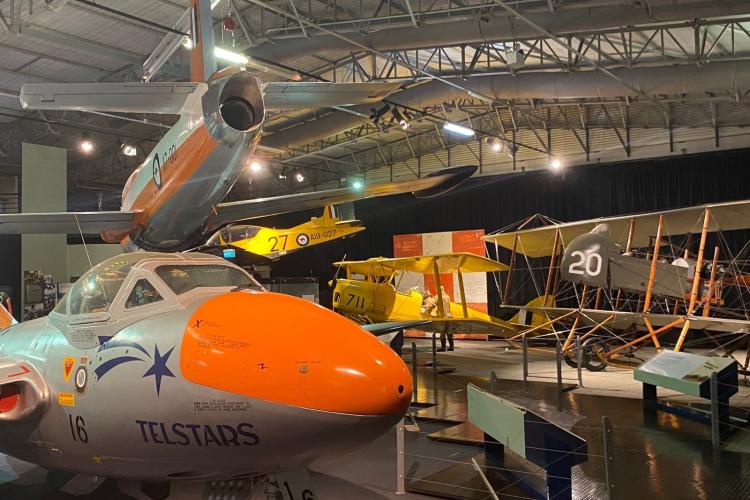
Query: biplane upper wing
(538, 242)
(622, 320)
(463, 262)
(433, 184)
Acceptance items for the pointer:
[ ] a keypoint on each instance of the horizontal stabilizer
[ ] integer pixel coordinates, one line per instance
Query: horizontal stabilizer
(65, 222)
(440, 182)
(134, 97)
(299, 95)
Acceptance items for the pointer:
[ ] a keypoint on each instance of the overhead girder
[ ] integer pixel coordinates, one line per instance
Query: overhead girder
(568, 19)
(732, 79)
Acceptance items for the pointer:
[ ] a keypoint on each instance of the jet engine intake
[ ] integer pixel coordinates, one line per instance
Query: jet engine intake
(241, 102)
(24, 394)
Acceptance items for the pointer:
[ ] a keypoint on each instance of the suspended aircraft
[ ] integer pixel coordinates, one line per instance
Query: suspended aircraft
(174, 200)
(628, 280)
(169, 367)
(368, 294)
(273, 243)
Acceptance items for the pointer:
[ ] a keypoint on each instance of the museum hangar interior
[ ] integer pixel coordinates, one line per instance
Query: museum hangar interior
(375, 249)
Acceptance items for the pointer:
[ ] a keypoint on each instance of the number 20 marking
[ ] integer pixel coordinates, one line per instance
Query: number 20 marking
(590, 264)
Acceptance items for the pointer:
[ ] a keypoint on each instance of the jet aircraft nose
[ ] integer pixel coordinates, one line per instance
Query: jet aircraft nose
(287, 350)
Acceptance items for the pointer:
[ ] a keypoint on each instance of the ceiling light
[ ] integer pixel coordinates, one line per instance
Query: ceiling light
(214, 3)
(256, 167)
(282, 176)
(555, 164)
(357, 185)
(86, 145)
(187, 42)
(458, 129)
(404, 124)
(229, 56)
(299, 177)
(129, 150)
(497, 146)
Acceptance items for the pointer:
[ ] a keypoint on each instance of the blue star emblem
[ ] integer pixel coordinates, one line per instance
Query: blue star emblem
(159, 369)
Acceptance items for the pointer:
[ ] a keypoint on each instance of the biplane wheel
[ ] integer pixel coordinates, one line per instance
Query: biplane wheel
(592, 359)
(572, 361)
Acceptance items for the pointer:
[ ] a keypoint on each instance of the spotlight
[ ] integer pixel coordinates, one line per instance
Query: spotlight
(282, 177)
(256, 167)
(129, 150)
(299, 177)
(458, 129)
(86, 145)
(229, 56)
(495, 144)
(357, 185)
(555, 164)
(403, 123)
(187, 42)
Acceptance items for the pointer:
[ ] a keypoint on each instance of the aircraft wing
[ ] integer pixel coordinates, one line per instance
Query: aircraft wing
(297, 95)
(134, 97)
(65, 222)
(538, 242)
(496, 328)
(623, 319)
(379, 329)
(463, 262)
(432, 185)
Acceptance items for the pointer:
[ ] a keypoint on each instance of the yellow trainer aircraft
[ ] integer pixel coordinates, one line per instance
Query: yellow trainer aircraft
(274, 243)
(373, 296)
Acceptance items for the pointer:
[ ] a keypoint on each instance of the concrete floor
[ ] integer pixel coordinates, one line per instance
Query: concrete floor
(669, 457)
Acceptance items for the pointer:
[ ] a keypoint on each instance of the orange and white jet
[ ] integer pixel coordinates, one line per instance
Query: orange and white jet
(174, 199)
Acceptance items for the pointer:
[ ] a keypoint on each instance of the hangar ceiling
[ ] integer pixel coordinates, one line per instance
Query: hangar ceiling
(602, 80)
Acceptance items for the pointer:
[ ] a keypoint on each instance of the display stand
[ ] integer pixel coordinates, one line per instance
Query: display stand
(532, 437)
(690, 374)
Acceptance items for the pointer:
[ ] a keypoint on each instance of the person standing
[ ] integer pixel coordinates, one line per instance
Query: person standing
(448, 314)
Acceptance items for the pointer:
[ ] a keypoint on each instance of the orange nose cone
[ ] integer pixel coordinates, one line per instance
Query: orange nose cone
(290, 351)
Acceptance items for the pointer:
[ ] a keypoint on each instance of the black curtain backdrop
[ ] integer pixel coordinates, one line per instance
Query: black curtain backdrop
(10, 265)
(491, 203)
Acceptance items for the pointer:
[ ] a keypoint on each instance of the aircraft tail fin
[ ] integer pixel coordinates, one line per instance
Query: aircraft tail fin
(525, 317)
(202, 58)
(6, 319)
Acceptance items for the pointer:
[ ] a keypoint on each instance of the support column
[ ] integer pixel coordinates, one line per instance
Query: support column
(44, 188)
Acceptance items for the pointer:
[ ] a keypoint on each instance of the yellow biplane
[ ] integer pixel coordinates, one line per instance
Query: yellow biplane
(369, 294)
(274, 243)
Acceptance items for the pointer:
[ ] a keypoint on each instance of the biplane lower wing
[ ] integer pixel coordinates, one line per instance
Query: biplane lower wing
(624, 320)
(495, 328)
